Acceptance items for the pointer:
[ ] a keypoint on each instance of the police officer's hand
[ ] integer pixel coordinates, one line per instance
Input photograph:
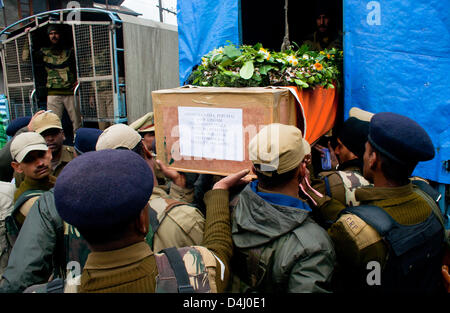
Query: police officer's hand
(233, 180)
(31, 121)
(177, 177)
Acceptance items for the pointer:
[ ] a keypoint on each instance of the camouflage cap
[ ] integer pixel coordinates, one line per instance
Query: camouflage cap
(25, 143)
(116, 136)
(279, 148)
(53, 27)
(144, 124)
(45, 121)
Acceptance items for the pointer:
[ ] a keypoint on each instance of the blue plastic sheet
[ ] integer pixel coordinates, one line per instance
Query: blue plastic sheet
(204, 25)
(397, 58)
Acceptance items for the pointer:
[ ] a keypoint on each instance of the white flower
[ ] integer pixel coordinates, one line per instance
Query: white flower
(292, 60)
(265, 53)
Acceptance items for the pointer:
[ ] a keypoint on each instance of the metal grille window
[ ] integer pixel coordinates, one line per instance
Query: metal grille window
(19, 75)
(95, 73)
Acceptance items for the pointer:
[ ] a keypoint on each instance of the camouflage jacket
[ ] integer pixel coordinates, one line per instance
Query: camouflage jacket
(340, 186)
(60, 67)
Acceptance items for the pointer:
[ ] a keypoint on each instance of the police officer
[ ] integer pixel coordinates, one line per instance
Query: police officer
(179, 224)
(341, 183)
(279, 247)
(145, 126)
(48, 124)
(32, 158)
(400, 233)
(17, 126)
(115, 225)
(46, 244)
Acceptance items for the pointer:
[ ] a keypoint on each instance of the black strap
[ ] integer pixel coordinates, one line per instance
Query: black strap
(25, 196)
(181, 275)
(154, 223)
(55, 286)
(327, 186)
(374, 216)
(435, 195)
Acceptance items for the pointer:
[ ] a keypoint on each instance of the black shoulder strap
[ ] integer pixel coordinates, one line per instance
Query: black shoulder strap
(435, 195)
(327, 186)
(181, 275)
(25, 196)
(154, 222)
(55, 286)
(374, 216)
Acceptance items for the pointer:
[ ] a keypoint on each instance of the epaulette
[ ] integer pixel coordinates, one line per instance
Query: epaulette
(363, 234)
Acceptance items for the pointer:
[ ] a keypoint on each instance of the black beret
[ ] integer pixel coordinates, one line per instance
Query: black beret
(103, 189)
(400, 138)
(86, 139)
(353, 135)
(17, 124)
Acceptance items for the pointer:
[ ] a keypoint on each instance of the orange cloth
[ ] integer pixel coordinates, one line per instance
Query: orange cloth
(320, 109)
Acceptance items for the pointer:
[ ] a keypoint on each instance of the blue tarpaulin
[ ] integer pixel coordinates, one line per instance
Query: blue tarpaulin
(204, 25)
(397, 58)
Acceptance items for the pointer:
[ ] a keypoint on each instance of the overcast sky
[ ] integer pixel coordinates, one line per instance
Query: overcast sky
(149, 9)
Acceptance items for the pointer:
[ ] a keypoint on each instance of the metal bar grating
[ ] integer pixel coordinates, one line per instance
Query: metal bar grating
(19, 101)
(95, 74)
(19, 76)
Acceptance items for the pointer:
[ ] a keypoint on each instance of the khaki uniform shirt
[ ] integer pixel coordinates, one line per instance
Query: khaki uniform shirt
(182, 226)
(67, 155)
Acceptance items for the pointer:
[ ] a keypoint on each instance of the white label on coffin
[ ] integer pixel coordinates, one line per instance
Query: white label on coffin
(211, 133)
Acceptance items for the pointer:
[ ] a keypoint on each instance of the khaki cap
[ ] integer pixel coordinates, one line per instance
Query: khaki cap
(45, 121)
(116, 136)
(360, 114)
(144, 124)
(26, 142)
(278, 147)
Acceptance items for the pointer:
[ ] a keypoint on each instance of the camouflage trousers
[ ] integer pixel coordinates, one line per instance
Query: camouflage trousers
(57, 105)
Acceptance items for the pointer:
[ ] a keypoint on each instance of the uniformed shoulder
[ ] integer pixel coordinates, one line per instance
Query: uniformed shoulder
(325, 173)
(26, 206)
(69, 149)
(311, 238)
(68, 154)
(357, 230)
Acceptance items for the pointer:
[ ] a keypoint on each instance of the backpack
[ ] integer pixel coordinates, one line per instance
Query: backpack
(6, 207)
(252, 268)
(186, 270)
(12, 228)
(415, 252)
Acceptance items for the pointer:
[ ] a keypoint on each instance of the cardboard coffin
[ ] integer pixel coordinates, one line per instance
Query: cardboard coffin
(207, 129)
